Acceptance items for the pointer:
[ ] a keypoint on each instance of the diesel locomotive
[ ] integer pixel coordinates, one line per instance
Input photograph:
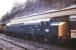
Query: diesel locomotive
(56, 28)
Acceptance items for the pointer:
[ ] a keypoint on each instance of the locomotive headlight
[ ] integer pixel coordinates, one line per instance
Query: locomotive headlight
(47, 30)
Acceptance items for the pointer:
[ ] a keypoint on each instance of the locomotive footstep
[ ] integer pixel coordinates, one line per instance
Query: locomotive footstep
(45, 39)
(34, 38)
(25, 37)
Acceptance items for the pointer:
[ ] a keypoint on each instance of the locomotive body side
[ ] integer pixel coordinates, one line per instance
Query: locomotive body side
(40, 30)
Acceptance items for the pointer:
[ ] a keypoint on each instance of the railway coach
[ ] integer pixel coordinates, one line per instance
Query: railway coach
(2, 27)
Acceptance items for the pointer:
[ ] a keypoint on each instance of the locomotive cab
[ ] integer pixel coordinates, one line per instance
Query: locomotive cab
(59, 29)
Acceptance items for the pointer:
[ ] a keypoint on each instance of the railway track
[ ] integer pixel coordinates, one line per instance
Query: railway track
(16, 42)
(24, 44)
(8, 46)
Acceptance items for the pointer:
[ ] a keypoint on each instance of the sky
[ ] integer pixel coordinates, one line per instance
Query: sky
(6, 6)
